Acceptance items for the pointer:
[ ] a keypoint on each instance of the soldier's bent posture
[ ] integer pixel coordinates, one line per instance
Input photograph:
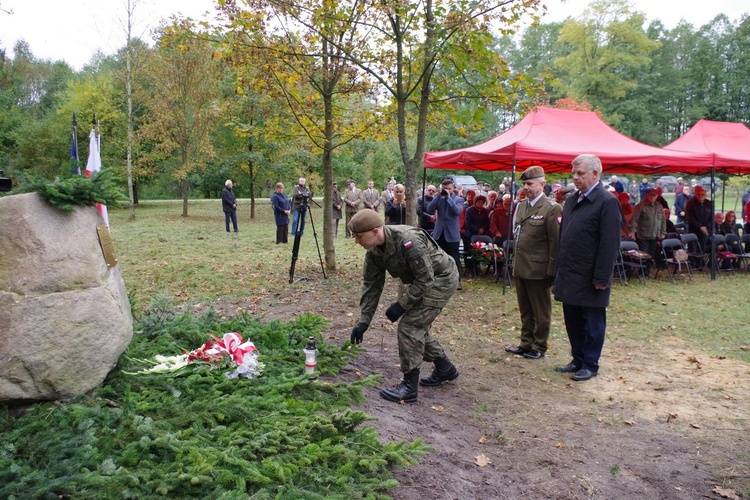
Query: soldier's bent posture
(431, 276)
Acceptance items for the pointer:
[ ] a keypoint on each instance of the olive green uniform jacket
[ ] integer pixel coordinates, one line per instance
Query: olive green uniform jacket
(411, 255)
(537, 237)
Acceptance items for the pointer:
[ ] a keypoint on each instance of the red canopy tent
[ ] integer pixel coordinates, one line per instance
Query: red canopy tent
(552, 138)
(729, 143)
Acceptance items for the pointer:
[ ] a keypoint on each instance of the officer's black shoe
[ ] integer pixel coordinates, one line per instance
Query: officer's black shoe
(405, 391)
(443, 372)
(533, 354)
(519, 351)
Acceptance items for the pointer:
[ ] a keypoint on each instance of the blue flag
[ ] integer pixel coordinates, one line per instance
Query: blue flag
(75, 167)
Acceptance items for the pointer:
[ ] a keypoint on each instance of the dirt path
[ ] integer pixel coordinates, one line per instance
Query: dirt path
(661, 421)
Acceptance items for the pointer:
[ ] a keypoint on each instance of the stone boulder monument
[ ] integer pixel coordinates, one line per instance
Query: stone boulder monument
(64, 314)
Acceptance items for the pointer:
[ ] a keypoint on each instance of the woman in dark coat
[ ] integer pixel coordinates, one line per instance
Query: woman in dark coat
(395, 209)
(281, 209)
(337, 203)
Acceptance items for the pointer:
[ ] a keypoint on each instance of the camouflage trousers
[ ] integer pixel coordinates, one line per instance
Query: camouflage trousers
(415, 343)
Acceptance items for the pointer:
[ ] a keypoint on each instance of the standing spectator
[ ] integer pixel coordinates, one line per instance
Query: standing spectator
(746, 211)
(395, 209)
(679, 185)
(409, 254)
(537, 223)
(634, 192)
(426, 219)
(680, 201)
(644, 186)
(648, 225)
(615, 183)
(386, 196)
(371, 197)
(338, 203)
(353, 199)
(693, 184)
(589, 242)
(447, 206)
(699, 215)
(300, 192)
(229, 205)
(281, 209)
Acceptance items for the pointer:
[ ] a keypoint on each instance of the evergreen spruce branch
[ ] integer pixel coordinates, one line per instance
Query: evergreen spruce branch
(67, 193)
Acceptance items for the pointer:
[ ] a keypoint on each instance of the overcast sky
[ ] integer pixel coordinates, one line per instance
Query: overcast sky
(74, 30)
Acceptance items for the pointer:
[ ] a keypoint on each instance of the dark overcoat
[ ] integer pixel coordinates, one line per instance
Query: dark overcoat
(589, 242)
(280, 203)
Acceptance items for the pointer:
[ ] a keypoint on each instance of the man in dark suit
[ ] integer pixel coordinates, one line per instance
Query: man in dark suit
(537, 223)
(589, 242)
(447, 231)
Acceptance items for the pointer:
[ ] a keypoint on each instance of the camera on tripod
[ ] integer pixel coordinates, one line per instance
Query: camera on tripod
(305, 199)
(5, 183)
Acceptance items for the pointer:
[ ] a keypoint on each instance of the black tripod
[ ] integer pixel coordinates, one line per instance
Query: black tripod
(302, 209)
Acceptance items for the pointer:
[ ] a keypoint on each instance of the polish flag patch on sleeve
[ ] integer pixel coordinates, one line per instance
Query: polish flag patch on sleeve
(408, 245)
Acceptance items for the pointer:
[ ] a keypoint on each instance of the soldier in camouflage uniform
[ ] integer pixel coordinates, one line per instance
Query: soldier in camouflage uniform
(411, 255)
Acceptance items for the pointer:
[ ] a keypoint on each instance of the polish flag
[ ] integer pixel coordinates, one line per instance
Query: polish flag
(94, 164)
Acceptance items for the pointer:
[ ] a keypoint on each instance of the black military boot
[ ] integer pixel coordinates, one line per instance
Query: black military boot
(405, 391)
(443, 372)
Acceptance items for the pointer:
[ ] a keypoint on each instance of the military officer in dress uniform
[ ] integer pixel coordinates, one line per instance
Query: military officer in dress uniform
(431, 276)
(537, 227)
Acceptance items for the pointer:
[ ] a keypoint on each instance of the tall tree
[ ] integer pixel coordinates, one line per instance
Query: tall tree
(183, 102)
(308, 42)
(608, 48)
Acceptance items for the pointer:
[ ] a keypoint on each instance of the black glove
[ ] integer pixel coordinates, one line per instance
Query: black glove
(394, 312)
(548, 280)
(357, 333)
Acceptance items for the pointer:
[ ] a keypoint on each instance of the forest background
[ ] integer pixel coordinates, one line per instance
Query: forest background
(270, 91)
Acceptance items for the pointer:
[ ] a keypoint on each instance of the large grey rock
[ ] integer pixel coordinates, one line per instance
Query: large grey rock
(64, 315)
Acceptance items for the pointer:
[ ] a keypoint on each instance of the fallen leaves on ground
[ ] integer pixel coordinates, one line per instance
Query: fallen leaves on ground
(726, 493)
(437, 408)
(481, 460)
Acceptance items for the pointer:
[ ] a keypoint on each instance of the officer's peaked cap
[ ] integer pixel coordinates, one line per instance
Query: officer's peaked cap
(532, 173)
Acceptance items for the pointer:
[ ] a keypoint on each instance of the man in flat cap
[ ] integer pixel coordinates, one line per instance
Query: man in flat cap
(430, 274)
(536, 227)
(648, 225)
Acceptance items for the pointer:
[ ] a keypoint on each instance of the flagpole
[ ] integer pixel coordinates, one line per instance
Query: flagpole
(75, 146)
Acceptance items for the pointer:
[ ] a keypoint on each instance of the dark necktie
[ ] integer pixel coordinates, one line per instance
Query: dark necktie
(580, 198)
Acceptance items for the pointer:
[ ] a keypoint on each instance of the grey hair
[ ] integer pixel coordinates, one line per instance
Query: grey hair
(591, 162)
(228, 182)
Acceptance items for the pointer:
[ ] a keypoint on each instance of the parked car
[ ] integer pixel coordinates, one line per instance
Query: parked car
(667, 183)
(467, 181)
(705, 183)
